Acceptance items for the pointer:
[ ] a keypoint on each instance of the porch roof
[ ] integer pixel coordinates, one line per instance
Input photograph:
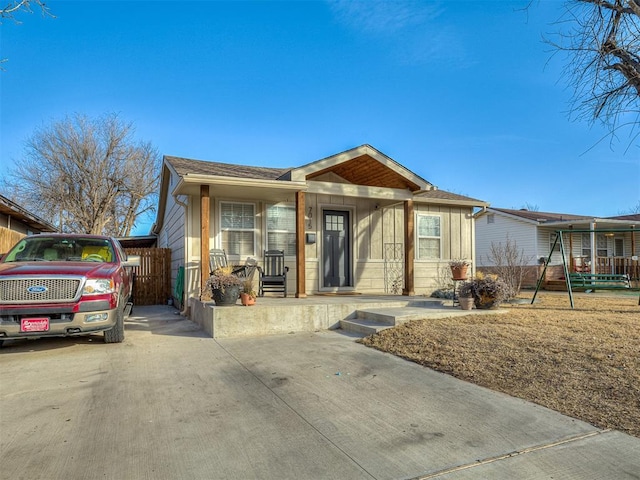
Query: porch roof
(558, 221)
(360, 171)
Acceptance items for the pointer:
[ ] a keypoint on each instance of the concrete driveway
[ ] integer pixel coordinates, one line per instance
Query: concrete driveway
(170, 403)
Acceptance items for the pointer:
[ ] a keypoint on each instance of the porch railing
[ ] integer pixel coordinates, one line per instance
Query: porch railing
(614, 265)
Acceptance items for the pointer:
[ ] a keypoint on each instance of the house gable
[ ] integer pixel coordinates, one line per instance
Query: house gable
(364, 166)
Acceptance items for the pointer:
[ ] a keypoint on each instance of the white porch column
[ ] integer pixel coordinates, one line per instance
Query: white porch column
(592, 227)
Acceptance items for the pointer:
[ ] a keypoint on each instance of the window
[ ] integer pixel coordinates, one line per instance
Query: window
(552, 239)
(237, 223)
(586, 245)
(281, 229)
(428, 237)
(491, 218)
(601, 245)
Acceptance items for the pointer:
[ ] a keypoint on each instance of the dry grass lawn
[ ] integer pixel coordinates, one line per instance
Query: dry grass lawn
(584, 363)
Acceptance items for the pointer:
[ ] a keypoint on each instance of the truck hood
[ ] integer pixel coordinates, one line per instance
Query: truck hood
(43, 269)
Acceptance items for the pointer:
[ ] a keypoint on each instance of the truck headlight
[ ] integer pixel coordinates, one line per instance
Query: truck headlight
(98, 286)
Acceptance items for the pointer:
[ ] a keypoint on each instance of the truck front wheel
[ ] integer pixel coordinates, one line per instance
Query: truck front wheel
(116, 333)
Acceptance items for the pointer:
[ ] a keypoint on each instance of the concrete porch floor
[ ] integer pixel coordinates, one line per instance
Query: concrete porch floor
(354, 314)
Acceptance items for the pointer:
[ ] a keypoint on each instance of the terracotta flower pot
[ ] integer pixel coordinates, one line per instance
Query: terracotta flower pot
(247, 300)
(466, 303)
(459, 273)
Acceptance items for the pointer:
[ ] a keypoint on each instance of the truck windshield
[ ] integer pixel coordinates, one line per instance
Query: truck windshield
(60, 249)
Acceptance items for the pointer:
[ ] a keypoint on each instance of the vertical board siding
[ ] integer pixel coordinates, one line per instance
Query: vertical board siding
(153, 276)
(8, 238)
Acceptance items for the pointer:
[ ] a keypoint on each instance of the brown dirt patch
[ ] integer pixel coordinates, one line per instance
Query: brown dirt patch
(584, 363)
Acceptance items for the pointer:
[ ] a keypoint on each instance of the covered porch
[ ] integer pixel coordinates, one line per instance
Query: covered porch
(603, 246)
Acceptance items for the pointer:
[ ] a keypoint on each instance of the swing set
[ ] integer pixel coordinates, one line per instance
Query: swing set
(583, 278)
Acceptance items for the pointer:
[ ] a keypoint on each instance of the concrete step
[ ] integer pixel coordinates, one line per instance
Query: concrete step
(362, 327)
(372, 320)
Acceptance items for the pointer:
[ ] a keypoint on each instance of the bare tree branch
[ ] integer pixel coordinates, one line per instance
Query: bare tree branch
(87, 175)
(602, 42)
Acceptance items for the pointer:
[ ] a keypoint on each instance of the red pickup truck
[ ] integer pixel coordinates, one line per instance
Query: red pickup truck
(60, 285)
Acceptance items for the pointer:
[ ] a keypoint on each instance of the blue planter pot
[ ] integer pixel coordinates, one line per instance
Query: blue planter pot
(226, 297)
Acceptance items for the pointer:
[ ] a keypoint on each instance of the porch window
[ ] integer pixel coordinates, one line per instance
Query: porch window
(586, 245)
(281, 229)
(428, 230)
(601, 245)
(237, 225)
(552, 238)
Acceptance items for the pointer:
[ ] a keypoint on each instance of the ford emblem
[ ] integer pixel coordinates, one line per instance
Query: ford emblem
(37, 289)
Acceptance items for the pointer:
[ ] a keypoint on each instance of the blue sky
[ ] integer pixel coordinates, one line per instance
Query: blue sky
(464, 93)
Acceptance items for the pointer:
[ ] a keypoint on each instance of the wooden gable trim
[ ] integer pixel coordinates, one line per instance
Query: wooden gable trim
(365, 166)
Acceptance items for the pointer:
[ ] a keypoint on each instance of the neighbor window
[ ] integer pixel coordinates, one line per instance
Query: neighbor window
(601, 245)
(586, 245)
(237, 223)
(552, 240)
(281, 229)
(428, 229)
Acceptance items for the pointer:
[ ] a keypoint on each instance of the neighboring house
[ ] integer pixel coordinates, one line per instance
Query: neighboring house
(609, 249)
(354, 222)
(16, 222)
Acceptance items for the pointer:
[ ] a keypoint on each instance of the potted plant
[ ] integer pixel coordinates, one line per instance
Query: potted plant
(248, 294)
(225, 286)
(488, 291)
(465, 296)
(459, 269)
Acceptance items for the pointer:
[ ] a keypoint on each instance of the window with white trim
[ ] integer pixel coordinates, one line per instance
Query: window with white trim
(281, 229)
(552, 239)
(428, 233)
(238, 228)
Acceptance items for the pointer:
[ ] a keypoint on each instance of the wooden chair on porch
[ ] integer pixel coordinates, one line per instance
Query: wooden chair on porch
(273, 276)
(217, 259)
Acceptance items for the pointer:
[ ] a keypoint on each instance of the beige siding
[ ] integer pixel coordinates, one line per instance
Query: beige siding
(374, 225)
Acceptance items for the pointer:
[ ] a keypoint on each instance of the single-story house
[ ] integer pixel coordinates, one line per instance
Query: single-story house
(357, 221)
(598, 245)
(17, 222)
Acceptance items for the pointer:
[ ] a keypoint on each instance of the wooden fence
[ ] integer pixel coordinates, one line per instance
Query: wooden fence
(153, 276)
(8, 238)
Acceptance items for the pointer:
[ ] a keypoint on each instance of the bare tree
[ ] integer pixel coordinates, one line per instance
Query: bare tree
(633, 210)
(510, 264)
(602, 42)
(87, 175)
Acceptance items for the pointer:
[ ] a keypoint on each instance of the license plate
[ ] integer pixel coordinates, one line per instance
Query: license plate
(34, 324)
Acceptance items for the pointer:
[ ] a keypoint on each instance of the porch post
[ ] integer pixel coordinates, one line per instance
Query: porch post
(300, 247)
(592, 227)
(572, 267)
(204, 236)
(409, 254)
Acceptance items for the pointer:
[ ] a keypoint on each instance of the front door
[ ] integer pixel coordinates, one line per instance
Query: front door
(336, 249)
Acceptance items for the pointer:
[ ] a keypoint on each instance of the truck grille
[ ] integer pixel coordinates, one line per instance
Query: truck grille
(40, 290)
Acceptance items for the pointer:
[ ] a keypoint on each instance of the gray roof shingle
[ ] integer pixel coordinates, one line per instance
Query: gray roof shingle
(185, 166)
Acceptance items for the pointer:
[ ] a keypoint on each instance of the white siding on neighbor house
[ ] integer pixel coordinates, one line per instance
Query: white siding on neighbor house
(521, 232)
(545, 243)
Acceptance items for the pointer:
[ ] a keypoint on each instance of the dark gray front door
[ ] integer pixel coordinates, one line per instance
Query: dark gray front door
(336, 249)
